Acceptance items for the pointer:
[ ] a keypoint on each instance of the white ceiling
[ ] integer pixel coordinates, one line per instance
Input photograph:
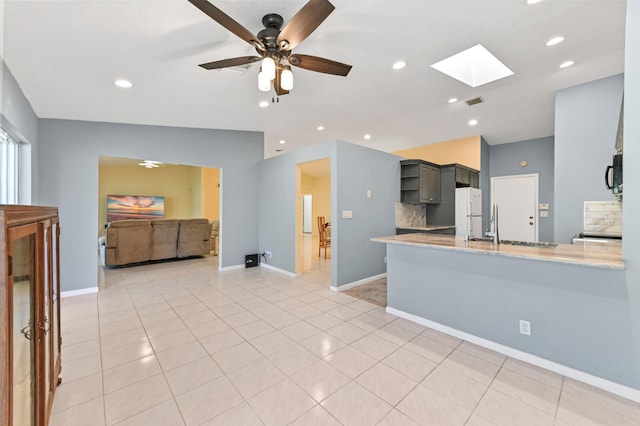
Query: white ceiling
(66, 54)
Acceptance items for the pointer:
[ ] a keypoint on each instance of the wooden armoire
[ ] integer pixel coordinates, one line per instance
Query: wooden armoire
(30, 339)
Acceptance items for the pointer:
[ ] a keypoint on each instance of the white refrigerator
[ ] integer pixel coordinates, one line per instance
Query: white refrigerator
(468, 212)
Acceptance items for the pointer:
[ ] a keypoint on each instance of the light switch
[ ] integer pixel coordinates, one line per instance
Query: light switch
(543, 206)
(347, 214)
(544, 213)
(368, 193)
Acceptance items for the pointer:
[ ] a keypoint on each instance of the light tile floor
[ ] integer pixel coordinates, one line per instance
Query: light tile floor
(180, 343)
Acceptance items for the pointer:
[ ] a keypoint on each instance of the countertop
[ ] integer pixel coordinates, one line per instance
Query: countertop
(602, 255)
(426, 228)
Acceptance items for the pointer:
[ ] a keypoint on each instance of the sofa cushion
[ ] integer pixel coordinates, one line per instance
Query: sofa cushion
(164, 239)
(193, 237)
(128, 241)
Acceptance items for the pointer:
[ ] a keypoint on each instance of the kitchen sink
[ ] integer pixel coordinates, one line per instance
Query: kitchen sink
(529, 244)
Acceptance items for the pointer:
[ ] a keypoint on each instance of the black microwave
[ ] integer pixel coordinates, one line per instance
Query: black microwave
(613, 175)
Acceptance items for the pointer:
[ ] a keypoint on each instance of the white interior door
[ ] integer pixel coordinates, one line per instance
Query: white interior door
(517, 201)
(306, 214)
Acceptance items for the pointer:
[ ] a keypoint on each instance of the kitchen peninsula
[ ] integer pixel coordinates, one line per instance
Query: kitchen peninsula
(575, 298)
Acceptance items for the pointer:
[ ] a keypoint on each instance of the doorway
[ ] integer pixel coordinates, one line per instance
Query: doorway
(313, 195)
(517, 201)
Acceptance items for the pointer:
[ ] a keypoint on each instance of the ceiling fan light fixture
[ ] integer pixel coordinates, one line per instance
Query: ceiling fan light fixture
(264, 82)
(269, 67)
(286, 78)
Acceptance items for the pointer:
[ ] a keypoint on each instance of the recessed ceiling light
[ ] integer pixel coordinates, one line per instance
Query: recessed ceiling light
(320, 128)
(399, 65)
(125, 84)
(555, 40)
(367, 136)
(263, 104)
(282, 141)
(566, 64)
(473, 122)
(533, 1)
(453, 100)
(475, 66)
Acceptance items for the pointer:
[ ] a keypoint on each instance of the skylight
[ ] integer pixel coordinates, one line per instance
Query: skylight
(474, 67)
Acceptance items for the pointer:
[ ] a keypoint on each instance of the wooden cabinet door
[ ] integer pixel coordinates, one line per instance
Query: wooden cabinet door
(22, 325)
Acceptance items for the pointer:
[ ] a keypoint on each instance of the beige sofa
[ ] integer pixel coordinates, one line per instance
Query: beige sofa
(135, 241)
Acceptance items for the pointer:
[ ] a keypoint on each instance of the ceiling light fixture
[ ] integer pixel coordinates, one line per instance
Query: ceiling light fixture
(367, 136)
(286, 78)
(555, 40)
(264, 83)
(149, 164)
(282, 141)
(263, 104)
(269, 68)
(125, 84)
(533, 1)
(473, 122)
(566, 64)
(453, 100)
(399, 65)
(320, 128)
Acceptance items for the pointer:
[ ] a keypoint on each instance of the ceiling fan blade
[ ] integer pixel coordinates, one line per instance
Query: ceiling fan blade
(304, 23)
(314, 63)
(231, 62)
(277, 83)
(228, 22)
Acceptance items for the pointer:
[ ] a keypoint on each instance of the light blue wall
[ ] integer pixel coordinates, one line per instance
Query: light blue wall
(360, 169)
(631, 201)
(69, 179)
(586, 124)
(354, 170)
(277, 201)
(505, 161)
(580, 316)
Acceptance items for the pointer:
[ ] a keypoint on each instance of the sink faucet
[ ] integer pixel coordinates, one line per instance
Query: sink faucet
(494, 225)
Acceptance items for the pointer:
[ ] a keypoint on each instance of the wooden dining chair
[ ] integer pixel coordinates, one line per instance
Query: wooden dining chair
(325, 237)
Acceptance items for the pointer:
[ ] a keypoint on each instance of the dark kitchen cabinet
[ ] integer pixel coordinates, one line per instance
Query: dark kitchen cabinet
(420, 182)
(452, 176)
(30, 339)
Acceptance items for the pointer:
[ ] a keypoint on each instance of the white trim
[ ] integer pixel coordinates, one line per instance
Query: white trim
(79, 292)
(230, 268)
(282, 271)
(615, 388)
(358, 283)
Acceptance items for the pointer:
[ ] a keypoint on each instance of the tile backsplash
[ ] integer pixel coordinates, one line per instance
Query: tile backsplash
(411, 215)
(603, 216)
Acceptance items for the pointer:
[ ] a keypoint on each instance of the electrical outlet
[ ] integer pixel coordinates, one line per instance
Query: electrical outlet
(385, 259)
(267, 253)
(525, 327)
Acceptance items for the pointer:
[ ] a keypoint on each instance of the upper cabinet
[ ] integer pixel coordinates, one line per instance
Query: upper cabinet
(420, 182)
(465, 176)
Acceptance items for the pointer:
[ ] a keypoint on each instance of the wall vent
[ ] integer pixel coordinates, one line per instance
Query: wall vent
(474, 101)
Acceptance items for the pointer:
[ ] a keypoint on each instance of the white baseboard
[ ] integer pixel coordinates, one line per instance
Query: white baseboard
(230, 268)
(358, 283)
(581, 376)
(282, 271)
(79, 292)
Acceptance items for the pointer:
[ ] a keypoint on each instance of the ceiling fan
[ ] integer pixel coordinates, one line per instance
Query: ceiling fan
(274, 45)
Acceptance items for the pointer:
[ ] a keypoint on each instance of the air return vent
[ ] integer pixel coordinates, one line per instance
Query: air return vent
(474, 101)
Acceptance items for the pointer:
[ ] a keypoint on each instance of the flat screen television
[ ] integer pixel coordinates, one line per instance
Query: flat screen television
(125, 207)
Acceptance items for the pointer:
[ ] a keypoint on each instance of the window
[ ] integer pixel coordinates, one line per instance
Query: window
(9, 168)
